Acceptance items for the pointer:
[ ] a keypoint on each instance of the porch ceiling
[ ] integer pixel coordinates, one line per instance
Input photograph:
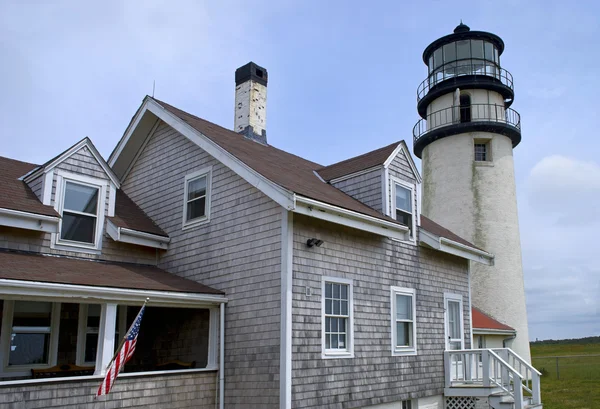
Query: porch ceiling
(62, 270)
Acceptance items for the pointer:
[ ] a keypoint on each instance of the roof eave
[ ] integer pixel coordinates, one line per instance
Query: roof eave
(446, 245)
(29, 221)
(493, 331)
(137, 237)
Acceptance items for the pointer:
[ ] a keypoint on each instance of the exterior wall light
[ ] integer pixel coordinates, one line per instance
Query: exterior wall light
(314, 242)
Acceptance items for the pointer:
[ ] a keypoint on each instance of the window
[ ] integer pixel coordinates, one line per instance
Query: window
(30, 329)
(465, 108)
(89, 328)
(482, 152)
(406, 404)
(80, 213)
(403, 203)
(337, 318)
(197, 197)
(404, 335)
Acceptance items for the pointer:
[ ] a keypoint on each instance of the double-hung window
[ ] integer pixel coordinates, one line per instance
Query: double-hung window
(79, 213)
(337, 318)
(196, 206)
(29, 334)
(89, 328)
(404, 332)
(403, 205)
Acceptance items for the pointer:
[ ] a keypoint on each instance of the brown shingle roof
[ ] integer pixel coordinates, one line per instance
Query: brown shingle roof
(484, 321)
(286, 170)
(63, 270)
(358, 163)
(16, 194)
(438, 230)
(128, 215)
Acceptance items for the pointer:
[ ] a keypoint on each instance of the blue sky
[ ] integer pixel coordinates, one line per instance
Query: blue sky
(342, 81)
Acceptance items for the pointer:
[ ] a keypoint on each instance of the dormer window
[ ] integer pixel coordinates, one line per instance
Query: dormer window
(80, 213)
(81, 201)
(404, 199)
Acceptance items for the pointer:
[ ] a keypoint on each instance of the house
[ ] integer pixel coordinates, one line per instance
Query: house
(273, 281)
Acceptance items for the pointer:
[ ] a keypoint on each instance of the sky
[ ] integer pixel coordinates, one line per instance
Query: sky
(342, 81)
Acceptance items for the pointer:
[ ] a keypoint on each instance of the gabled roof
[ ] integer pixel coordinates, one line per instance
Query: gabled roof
(15, 194)
(358, 163)
(439, 230)
(65, 270)
(128, 215)
(482, 321)
(284, 169)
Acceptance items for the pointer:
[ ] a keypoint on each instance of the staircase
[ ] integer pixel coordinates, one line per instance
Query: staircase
(498, 374)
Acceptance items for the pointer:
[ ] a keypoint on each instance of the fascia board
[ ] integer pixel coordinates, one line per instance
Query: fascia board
(29, 221)
(451, 247)
(491, 331)
(71, 292)
(335, 214)
(403, 147)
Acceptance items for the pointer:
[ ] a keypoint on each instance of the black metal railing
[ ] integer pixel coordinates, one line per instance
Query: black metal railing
(474, 113)
(462, 68)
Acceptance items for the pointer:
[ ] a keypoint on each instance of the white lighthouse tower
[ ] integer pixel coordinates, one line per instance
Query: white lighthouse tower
(465, 139)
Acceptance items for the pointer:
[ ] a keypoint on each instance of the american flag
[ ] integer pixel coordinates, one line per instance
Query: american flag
(122, 356)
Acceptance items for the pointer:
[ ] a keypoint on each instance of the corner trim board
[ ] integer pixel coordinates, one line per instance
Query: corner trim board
(285, 354)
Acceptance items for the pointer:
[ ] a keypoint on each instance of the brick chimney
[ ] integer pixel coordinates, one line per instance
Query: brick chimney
(251, 102)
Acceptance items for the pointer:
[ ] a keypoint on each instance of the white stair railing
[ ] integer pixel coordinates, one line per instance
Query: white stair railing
(490, 368)
(531, 376)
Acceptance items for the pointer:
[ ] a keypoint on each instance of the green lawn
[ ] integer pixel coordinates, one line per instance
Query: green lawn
(579, 383)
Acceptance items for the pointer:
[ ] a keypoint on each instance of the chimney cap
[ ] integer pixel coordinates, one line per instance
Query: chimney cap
(251, 71)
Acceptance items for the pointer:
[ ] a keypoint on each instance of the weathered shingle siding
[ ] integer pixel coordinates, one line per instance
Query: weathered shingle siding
(365, 188)
(374, 264)
(400, 168)
(192, 390)
(36, 186)
(238, 252)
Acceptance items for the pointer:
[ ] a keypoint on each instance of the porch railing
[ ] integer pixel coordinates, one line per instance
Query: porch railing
(492, 368)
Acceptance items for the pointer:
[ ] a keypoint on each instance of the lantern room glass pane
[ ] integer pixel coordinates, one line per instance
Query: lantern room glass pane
(463, 49)
(450, 52)
(489, 51)
(437, 57)
(477, 49)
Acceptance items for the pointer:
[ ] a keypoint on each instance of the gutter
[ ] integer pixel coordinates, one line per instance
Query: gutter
(29, 221)
(141, 238)
(452, 247)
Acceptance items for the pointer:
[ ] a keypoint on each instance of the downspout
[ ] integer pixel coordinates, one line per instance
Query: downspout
(470, 305)
(222, 356)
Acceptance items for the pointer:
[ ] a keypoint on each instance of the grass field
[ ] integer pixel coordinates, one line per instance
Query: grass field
(576, 383)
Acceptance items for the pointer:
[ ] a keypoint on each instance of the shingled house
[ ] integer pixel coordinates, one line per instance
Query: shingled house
(274, 282)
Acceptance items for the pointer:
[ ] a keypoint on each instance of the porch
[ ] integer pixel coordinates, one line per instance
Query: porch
(498, 374)
(58, 338)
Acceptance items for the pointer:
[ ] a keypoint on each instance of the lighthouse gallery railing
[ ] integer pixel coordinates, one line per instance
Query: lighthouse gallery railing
(473, 113)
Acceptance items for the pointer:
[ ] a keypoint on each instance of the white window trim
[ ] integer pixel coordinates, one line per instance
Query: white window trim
(25, 370)
(403, 351)
(82, 327)
(412, 236)
(102, 186)
(459, 298)
(207, 171)
(349, 352)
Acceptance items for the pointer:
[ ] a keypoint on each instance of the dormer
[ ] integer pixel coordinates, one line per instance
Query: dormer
(81, 188)
(385, 179)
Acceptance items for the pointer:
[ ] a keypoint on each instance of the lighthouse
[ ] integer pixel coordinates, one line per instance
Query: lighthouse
(465, 140)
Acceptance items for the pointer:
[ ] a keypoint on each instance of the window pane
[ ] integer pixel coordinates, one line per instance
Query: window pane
(327, 341)
(328, 290)
(450, 52)
(81, 198)
(477, 48)
(76, 227)
(454, 318)
(32, 314)
(196, 188)
(328, 307)
(403, 307)
(403, 196)
(404, 218)
(342, 341)
(327, 324)
(344, 309)
(489, 51)
(91, 345)
(336, 307)
(334, 341)
(93, 318)
(334, 324)
(27, 349)
(344, 292)
(403, 334)
(437, 57)
(336, 291)
(463, 49)
(341, 325)
(196, 208)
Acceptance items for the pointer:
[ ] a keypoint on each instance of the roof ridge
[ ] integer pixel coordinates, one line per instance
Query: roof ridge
(318, 166)
(361, 155)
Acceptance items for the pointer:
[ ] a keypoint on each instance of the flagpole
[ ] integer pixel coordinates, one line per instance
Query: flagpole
(118, 350)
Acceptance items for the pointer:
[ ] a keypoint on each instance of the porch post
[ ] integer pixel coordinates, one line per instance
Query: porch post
(106, 337)
(213, 337)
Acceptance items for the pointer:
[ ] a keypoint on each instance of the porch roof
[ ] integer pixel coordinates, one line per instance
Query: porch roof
(36, 267)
